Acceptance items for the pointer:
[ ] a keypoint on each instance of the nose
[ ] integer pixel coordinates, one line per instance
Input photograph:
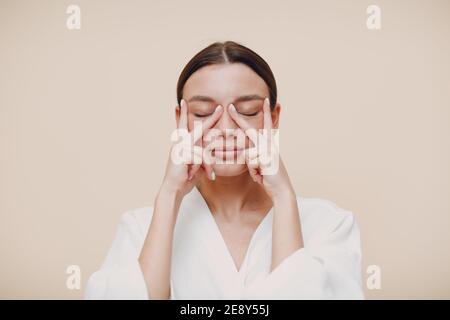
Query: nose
(226, 122)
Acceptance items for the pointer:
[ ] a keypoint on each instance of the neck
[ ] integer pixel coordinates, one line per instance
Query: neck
(230, 196)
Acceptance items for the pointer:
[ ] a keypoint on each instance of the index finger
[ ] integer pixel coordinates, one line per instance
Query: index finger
(248, 129)
(208, 123)
(182, 123)
(267, 114)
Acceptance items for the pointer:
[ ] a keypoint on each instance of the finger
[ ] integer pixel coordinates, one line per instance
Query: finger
(251, 160)
(183, 115)
(196, 163)
(253, 165)
(217, 142)
(199, 173)
(244, 125)
(208, 123)
(259, 179)
(211, 135)
(193, 170)
(234, 115)
(208, 159)
(191, 154)
(253, 171)
(251, 153)
(267, 114)
(253, 174)
(209, 171)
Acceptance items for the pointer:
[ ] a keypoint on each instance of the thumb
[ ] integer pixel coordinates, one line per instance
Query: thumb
(209, 172)
(200, 172)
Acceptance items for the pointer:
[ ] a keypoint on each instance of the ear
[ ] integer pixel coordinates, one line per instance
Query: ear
(275, 113)
(177, 114)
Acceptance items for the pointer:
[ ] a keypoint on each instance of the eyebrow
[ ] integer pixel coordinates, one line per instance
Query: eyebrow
(247, 97)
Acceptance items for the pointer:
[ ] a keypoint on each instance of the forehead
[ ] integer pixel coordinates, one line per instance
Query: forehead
(224, 82)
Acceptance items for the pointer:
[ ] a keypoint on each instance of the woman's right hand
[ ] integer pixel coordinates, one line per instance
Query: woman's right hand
(183, 173)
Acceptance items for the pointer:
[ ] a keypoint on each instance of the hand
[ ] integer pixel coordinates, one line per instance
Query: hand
(185, 166)
(263, 159)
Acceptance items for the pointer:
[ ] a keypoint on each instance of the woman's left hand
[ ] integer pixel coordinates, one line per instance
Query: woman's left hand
(263, 159)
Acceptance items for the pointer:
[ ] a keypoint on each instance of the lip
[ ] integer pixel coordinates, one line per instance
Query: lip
(221, 152)
(225, 150)
(230, 147)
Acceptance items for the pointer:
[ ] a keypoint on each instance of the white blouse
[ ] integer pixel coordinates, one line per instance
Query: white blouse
(327, 267)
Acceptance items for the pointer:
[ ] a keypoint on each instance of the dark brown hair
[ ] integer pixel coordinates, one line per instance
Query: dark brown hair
(229, 52)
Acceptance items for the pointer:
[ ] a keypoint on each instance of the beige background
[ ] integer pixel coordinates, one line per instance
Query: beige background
(86, 117)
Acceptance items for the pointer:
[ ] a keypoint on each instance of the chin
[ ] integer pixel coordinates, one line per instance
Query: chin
(229, 170)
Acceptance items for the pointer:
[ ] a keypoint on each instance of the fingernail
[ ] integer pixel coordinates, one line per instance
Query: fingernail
(232, 108)
(181, 102)
(267, 101)
(213, 176)
(218, 108)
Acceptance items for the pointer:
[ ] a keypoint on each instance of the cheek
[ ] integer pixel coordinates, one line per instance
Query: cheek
(256, 122)
(192, 121)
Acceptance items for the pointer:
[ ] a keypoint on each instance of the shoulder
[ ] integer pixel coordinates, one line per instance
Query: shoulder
(320, 208)
(137, 219)
(321, 216)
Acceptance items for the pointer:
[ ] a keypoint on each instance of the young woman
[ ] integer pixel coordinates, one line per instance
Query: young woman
(235, 229)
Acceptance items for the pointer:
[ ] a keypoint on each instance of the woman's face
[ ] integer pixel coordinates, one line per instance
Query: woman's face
(223, 84)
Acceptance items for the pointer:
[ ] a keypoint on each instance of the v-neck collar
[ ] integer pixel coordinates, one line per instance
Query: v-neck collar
(216, 235)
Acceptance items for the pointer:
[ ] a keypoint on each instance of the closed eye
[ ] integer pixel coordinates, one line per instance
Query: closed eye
(242, 113)
(249, 114)
(202, 115)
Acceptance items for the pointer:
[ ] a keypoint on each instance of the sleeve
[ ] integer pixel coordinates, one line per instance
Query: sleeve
(120, 276)
(327, 267)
